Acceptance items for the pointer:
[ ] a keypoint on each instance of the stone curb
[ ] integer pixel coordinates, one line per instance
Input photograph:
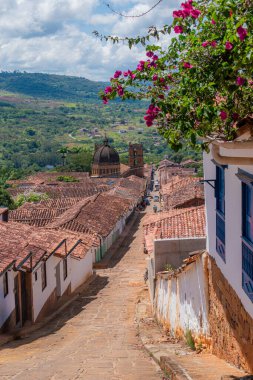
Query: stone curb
(23, 332)
(172, 370)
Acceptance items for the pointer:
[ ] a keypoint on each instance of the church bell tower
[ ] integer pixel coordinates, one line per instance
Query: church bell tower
(136, 161)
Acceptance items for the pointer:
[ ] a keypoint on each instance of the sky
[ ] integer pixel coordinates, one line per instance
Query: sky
(55, 36)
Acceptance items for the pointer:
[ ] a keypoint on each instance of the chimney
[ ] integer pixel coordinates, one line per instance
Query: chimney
(4, 214)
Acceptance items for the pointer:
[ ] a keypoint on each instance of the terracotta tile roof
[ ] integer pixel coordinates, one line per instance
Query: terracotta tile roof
(167, 173)
(182, 192)
(176, 223)
(130, 188)
(42, 213)
(98, 214)
(19, 240)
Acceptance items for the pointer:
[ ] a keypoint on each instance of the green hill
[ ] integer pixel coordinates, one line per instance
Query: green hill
(48, 86)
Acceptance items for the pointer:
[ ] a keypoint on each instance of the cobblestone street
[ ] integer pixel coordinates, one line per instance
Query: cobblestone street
(95, 338)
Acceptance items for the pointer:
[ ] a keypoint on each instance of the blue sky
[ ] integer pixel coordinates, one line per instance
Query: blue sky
(55, 36)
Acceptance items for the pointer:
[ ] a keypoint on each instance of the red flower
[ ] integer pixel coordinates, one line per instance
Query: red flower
(228, 45)
(187, 65)
(195, 13)
(240, 81)
(205, 44)
(178, 29)
(242, 33)
(213, 22)
(223, 115)
(117, 74)
(214, 44)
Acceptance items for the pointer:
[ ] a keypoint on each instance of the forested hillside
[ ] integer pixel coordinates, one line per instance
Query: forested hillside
(46, 120)
(50, 86)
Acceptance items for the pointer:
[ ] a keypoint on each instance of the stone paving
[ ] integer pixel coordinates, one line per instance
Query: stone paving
(95, 337)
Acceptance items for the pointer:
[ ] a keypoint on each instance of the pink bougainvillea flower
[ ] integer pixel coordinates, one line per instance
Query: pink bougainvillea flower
(205, 44)
(162, 80)
(108, 90)
(170, 77)
(242, 33)
(125, 73)
(117, 74)
(178, 29)
(155, 77)
(187, 65)
(187, 5)
(178, 14)
(155, 57)
(223, 115)
(213, 22)
(213, 44)
(251, 82)
(120, 91)
(149, 54)
(195, 13)
(240, 81)
(228, 45)
(235, 116)
(105, 100)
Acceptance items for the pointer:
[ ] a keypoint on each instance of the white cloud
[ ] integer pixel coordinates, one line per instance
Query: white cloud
(55, 36)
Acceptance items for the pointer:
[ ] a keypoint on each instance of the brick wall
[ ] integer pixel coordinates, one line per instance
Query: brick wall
(231, 327)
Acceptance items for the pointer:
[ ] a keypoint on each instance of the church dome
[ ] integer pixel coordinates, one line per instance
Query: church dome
(105, 154)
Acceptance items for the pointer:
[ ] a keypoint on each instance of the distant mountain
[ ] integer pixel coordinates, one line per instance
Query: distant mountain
(50, 86)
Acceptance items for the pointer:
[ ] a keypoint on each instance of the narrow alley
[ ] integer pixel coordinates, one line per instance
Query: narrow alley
(95, 338)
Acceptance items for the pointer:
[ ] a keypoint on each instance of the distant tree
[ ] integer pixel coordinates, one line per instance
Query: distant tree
(5, 199)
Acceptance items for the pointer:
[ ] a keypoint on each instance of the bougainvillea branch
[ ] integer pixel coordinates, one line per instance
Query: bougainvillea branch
(202, 83)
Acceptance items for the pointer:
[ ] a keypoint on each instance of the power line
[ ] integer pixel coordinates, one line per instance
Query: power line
(132, 16)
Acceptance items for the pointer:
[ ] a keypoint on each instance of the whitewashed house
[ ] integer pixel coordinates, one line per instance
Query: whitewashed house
(38, 267)
(228, 172)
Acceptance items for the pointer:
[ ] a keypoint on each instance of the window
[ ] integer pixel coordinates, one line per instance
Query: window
(247, 239)
(65, 268)
(220, 212)
(43, 275)
(36, 276)
(6, 285)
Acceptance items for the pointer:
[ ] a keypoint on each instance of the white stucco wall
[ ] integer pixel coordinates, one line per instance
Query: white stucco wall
(7, 304)
(81, 270)
(40, 296)
(181, 302)
(232, 269)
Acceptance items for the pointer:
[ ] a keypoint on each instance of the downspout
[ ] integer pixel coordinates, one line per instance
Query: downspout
(225, 160)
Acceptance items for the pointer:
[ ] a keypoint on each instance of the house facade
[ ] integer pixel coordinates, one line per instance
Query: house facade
(228, 173)
(37, 268)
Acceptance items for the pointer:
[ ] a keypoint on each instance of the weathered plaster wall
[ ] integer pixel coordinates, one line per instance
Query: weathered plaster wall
(181, 300)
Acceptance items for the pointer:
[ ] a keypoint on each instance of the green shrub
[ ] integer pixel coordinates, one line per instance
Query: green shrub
(65, 178)
(189, 339)
(31, 197)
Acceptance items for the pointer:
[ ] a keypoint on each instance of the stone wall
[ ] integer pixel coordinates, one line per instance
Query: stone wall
(231, 327)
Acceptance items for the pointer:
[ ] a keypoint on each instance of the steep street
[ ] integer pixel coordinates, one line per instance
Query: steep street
(95, 338)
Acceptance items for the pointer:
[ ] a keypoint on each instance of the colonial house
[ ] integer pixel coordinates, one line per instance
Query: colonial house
(105, 215)
(182, 192)
(37, 268)
(228, 171)
(169, 237)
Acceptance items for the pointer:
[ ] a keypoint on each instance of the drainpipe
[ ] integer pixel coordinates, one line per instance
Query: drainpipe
(225, 160)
